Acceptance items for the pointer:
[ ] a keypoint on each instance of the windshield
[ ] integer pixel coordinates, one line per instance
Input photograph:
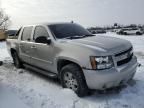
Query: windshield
(68, 30)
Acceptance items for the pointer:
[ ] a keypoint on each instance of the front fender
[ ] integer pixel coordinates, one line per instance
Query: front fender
(80, 61)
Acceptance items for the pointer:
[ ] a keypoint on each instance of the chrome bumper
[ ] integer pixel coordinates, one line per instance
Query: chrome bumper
(103, 79)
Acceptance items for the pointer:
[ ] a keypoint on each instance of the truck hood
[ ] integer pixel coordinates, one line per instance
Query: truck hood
(103, 43)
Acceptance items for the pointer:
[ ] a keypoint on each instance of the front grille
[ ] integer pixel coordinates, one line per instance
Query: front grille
(119, 63)
(124, 57)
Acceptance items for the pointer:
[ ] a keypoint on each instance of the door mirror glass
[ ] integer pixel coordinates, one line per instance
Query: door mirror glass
(43, 39)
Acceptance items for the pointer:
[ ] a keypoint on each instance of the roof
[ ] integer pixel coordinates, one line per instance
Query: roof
(48, 23)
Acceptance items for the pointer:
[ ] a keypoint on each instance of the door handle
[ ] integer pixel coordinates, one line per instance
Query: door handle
(33, 47)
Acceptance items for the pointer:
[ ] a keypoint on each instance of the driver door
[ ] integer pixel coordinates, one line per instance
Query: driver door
(42, 52)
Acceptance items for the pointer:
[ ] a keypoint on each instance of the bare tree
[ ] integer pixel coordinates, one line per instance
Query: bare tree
(4, 20)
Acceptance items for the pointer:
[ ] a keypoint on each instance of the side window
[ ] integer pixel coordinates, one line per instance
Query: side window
(40, 31)
(26, 33)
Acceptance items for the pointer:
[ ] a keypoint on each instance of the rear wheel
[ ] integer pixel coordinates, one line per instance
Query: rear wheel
(72, 78)
(16, 60)
(125, 33)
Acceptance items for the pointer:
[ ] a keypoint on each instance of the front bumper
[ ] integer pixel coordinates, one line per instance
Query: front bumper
(103, 79)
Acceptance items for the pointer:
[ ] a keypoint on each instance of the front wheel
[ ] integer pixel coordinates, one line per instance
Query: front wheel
(16, 60)
(72, 78)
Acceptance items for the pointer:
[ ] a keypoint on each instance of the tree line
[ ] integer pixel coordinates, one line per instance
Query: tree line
(4, 20)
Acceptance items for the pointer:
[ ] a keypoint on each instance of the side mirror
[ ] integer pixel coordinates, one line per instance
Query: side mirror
(43, 39)
(48, 40)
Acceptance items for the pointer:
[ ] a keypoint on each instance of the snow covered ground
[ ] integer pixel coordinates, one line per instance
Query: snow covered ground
(38, 91)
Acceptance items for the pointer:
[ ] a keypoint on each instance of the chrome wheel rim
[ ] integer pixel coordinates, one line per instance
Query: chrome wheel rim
(70, 81)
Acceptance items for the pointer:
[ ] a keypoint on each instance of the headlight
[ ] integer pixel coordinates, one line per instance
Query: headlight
(101, 62)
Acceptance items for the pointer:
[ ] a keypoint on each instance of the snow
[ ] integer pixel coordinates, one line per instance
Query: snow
(8, 99)
(34, 90)
(3, 52)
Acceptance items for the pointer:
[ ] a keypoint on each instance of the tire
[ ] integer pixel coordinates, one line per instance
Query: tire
(138, 33)
(16, 60)
(76, 82)
(125, 33)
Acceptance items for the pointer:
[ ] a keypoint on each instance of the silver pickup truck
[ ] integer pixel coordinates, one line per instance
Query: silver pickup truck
(80, 60)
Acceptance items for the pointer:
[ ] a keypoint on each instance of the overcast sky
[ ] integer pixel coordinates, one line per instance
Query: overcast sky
(85, 12)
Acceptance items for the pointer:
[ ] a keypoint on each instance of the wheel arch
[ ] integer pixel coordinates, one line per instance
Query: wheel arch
(63, 62)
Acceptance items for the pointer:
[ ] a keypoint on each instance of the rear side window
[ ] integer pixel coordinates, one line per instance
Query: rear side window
(26, 33)
(40, 31)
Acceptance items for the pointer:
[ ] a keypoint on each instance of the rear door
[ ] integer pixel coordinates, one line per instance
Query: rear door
(25, 44)
(42, 52)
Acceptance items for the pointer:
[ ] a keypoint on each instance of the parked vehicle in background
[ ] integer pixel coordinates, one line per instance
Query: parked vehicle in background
(11, 32)
(80, 60)
(97, 31)
(130, 31)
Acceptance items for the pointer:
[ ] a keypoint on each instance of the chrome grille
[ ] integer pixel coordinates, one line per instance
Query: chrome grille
(124, 57)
